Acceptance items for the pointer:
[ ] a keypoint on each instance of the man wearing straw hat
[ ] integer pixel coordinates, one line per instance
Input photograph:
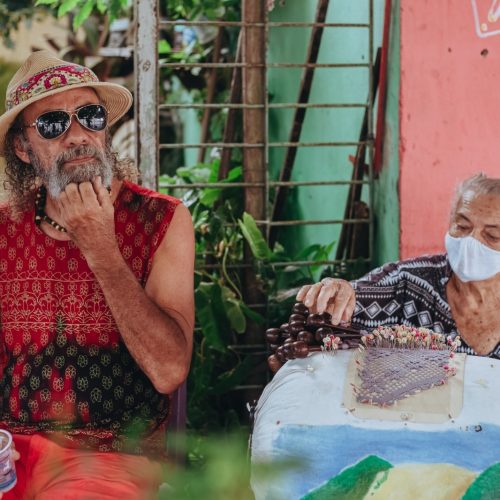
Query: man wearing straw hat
(96, 292)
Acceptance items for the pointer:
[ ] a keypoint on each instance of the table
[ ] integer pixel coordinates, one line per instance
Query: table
(300, 417)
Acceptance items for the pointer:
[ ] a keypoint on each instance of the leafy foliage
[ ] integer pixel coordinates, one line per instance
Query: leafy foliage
(221, 314)
(7, 70)
(221, 229)
(84, 8)
(219, 469)
(190, 9)
(280, 276)
(13, 12)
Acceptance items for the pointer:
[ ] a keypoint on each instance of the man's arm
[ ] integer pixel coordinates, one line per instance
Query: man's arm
(156, 323)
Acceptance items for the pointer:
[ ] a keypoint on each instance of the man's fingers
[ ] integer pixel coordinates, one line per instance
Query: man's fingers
(72, 192)
(69, 199)
(62, 202)
(88, 194)
(102, 192)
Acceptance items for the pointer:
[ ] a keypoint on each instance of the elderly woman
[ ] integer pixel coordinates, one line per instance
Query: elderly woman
(453, 293)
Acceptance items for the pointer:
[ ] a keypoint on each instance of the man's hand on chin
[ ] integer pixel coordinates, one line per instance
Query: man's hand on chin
(87, 213)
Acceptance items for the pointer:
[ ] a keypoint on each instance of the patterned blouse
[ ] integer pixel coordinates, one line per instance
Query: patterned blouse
(66, 371)
(410, 292)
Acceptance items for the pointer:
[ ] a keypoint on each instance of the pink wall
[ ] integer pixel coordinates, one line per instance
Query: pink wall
(449, 113)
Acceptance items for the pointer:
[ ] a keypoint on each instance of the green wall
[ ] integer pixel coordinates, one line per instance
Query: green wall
(330, 85)
(341, 85)
(386, 244)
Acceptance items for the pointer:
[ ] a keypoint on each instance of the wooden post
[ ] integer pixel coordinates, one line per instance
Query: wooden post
(254, 159)
(146, 90)
(254, 92)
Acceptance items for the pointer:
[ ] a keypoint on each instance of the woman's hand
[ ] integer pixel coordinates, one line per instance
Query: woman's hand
(332, 295)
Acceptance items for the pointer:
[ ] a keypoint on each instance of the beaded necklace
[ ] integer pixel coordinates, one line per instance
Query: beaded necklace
(40, 215)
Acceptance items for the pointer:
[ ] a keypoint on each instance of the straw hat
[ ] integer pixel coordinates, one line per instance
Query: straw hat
(43, 74)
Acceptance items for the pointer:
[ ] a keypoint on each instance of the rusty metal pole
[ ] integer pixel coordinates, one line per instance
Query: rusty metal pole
(146, 90)
(254, 92)
(254, 120)
(230, 127)
(254, 132)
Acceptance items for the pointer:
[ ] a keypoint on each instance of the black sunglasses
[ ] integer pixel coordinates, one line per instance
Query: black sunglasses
(53, 124)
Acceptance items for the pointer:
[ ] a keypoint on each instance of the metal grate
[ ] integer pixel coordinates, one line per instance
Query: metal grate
(255, 106)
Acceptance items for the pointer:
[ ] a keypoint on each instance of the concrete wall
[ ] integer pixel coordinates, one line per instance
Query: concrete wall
(322, 125)
(386, 189)
(448, 111)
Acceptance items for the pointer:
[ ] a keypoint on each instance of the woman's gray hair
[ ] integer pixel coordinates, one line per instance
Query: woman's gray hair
(478, 184)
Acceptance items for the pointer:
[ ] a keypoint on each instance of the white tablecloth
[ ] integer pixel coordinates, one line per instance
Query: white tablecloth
(300, 416)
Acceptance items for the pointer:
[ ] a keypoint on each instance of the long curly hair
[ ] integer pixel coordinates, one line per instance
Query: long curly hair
(21, 181)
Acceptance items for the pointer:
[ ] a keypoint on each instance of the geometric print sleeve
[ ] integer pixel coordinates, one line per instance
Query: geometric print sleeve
(379, 297)
(410, 292)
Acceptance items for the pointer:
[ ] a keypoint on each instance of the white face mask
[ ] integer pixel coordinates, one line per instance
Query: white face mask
(470, 259)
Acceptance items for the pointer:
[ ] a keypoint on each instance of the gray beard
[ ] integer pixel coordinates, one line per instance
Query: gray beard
(57, 177)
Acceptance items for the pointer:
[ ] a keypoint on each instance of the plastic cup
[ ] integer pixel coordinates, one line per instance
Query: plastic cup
(8, 476)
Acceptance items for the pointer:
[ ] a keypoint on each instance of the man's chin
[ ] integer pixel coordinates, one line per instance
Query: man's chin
(79, 170)
(77, 162)
(56, 188)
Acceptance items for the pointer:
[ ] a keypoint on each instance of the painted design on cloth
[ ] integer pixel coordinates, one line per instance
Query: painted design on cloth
(332, 450)
(50, 79)
(65, 367)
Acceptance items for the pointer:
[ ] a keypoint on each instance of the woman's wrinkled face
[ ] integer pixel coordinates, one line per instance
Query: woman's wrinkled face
(478, 215)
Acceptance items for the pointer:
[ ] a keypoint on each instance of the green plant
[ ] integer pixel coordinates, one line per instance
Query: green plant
(221, 228)
(7, 71)
(221, 313)
(279, 275)
(84, 8)
(218, 468)
(189, 9)
(12, 12)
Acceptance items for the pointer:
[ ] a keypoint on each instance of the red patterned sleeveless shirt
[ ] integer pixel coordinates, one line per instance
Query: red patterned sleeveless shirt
(66, 371)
